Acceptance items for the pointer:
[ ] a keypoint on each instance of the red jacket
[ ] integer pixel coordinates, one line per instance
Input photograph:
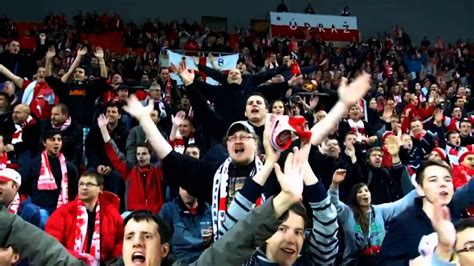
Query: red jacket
(62, 224)
(415, 112)
(461, 175)
(145, 189)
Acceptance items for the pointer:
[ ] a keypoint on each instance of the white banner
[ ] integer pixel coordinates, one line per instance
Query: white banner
(225, 63)
(313, 21)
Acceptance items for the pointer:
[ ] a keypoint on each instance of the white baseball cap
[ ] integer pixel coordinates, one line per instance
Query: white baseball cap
(8, 174)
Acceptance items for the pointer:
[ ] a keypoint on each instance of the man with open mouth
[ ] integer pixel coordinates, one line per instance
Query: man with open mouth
(435, 186)
(49, 180)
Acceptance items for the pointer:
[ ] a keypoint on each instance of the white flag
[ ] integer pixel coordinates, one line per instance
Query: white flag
(225, 63)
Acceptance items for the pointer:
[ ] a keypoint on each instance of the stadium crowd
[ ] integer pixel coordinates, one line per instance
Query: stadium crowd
(303, 154)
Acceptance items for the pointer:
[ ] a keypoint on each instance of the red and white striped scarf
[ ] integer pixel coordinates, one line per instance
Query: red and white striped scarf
(219, 193)
(356, 126)
(168, 92)
(80, 240)
(14, 205)
(65, 125)
(17, 136)
(46, 179)
(179, 145)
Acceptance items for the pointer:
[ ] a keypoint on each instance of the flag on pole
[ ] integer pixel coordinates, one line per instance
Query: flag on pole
(225, 63)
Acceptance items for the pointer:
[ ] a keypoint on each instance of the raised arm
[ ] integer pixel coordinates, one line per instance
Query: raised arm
(213, 73)
(161, 147)
(342, 209)
(323, 243)
(187, 76)
(348, 95)
(176, 121)
(99, 53)
(80, 53)
(7, 73)
(50, 54)
(117, 159)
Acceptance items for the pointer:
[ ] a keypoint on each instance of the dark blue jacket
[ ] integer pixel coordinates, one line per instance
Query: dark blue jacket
(187, 243)
(404, 234)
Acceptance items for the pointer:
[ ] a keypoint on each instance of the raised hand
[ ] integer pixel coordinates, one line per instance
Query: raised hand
(350, 150)
(178, 118)
(392, 145)
(445, 229)
(82, 51)
(295, 80)
(99, 52)
(291, 182)
(313, 102)
(102, 121)
(351, 93)
(438, 117)
(338, 176)
(186, 74)
(387, 113)
(136, 109)
(50, 53)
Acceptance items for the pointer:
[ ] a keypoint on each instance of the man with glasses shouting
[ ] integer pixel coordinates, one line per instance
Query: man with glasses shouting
(90, 227)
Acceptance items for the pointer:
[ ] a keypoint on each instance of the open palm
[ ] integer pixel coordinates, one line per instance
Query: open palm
(291, 182)
(351, 93)
(136, 109)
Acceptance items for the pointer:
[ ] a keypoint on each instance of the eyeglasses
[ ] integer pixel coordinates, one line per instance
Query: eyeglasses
(240, 138)
(88, 184)
(467, 248)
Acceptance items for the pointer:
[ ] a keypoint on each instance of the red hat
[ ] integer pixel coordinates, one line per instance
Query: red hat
(440, 152)
(470, 151)
(387, 134)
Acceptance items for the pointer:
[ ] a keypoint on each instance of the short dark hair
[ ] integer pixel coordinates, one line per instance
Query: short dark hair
(164, 229)
(161, 69)
(464, 224)
(256, 93)
(299, 209)
(451, 133)
(420, 172)
(64, 109)
(4, 94)
(373, 149)
(51, 132)
(145, 145)
(92, 173)
(113, 104)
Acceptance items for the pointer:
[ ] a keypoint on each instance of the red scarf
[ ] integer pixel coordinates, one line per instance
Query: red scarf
(179, 143)
(3, 160)
(46, 179)
(80, 240)
(17, 136)
(356, 126)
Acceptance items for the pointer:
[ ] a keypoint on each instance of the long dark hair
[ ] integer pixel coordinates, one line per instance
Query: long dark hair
(359, 214)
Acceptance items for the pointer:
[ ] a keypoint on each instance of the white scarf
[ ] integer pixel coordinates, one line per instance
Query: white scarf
(219, 192)
(13, 207)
